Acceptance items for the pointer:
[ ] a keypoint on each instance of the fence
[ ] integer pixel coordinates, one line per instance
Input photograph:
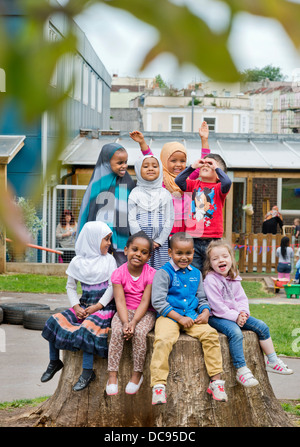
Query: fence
(64, 197)
(256, 252)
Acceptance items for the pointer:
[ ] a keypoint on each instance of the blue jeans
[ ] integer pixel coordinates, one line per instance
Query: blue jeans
(284, 267)
(200, 247)
(87, 359)
(235, 335)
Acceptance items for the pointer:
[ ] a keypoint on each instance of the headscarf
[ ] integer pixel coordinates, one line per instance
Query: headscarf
(273, 213)
(106, 198)
(149, 195)
(89, 265)
(168, 149)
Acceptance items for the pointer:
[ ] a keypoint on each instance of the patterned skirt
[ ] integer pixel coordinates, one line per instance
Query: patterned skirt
(89, 335)
(160, 255)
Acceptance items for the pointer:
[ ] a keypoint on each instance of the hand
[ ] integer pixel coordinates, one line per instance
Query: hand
(241, 319)
(131, 328)
(126, 331)
(155, 245)
(186, 322)
(204, 161)
(80, 312)
(94, 308)
(204, 131)
(203, 317)
(137, 136)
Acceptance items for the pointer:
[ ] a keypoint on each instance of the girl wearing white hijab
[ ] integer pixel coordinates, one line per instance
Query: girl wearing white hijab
(150, 208)
(85, 325)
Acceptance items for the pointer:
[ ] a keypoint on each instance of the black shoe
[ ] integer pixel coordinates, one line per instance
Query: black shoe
(52, 369)
(83, 383)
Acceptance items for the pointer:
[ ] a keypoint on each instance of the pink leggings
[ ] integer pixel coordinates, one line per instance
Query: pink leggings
(139, 343)
(283, 275)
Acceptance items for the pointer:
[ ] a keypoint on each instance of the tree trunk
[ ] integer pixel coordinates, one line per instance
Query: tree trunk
(188, 403)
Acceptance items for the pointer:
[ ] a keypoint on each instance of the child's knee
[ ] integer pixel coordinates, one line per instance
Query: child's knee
(117, 332)
(163, 343)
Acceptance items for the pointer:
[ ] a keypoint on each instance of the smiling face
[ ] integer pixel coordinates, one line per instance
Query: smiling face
(220, 260)
(138, 253)
(176, 163)
(150, 169)
(118, 162)
(105, 244)
(182, 253)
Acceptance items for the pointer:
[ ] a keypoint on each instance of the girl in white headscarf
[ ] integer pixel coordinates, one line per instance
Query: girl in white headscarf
(85, 325)
(150, 208)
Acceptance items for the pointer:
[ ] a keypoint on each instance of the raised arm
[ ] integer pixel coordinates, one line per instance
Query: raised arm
(224, 179)
(181, 178)
(137, 136)
(203, 133)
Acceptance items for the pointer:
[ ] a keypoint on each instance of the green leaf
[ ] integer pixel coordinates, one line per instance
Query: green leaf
(285, 12)
(185, 35)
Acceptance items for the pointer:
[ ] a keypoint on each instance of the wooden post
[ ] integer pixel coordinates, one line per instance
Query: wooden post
(228, 215)
(249, 201)
(260, 239)
(269, 253)
(250, 252)
(242, 254)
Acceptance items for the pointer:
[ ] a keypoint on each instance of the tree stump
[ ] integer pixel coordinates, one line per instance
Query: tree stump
(188, 403)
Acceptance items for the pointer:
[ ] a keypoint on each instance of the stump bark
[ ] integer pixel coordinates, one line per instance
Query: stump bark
(188, 403)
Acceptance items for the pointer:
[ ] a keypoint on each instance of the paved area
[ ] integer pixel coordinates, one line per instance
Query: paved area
(25, 356)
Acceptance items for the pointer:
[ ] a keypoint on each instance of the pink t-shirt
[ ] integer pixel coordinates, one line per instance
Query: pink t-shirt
(133, 290)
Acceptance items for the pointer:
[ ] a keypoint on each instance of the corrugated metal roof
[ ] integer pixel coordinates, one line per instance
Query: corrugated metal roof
(240, 151)
(10, 146)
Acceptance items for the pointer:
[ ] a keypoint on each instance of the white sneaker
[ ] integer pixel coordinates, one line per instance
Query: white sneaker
(159, 394)
(216, 389)
(279, 367)
(245, 377)
(132, 388)
(112, 389)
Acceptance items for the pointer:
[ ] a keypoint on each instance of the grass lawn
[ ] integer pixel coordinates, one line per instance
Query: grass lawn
(55, 284)
(282, 319)
(256, 289)
(33, 283)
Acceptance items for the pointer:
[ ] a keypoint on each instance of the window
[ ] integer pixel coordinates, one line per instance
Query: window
(93, 91)
(68, 73)
(78, 78)
(85, 91)
(176, 123)
(99, 93)
(53, 37)
(211, 122)
(227, 94)
(290, 194)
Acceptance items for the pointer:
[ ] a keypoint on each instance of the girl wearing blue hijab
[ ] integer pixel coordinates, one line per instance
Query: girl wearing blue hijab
(107, 195)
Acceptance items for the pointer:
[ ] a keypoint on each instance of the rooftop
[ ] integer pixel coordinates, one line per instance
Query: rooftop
(240, 151)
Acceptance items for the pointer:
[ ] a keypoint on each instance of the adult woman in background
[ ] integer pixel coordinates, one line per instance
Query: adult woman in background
(65, 235)
(271, 220)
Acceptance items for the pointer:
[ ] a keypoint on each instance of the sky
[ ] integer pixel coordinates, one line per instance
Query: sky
(121, 42)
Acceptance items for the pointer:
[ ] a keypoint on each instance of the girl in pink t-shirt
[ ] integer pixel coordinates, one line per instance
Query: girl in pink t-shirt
(135, 317)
